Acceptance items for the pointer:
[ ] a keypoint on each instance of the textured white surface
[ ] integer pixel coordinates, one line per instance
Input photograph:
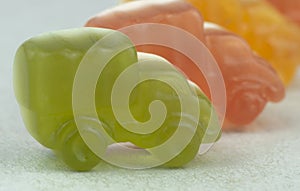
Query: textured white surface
(266, 156)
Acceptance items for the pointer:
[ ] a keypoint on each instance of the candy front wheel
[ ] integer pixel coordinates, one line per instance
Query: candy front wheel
(73, 151)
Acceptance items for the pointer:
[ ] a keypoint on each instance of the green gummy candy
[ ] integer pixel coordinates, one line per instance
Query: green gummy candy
(44, 70)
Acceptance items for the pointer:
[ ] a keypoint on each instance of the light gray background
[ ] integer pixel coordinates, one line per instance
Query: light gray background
(264, 157)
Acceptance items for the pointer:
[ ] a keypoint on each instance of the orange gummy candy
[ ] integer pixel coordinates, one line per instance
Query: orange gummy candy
(290, 8)
(266, 30)
(250, 81)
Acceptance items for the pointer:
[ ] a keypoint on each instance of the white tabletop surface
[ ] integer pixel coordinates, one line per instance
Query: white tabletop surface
(266, 156)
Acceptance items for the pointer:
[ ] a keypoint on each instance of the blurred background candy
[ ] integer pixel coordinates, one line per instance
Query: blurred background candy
(290, 8)
(269, 33)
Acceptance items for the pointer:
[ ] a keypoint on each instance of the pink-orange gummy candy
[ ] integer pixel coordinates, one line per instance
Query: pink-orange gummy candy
(176, 13)
(250, 81)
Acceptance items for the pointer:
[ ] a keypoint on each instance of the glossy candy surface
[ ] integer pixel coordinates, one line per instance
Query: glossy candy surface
(269, 33)
(250, 81)
(44, 71)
